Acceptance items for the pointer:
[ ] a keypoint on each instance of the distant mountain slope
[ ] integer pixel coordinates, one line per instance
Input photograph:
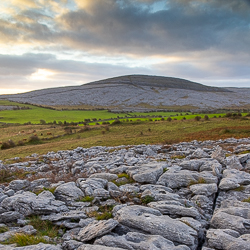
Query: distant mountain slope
(138, 92)
(159, 81)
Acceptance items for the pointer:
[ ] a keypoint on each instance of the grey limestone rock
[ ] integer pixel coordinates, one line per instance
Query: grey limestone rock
(174, 210)
(70, 215)
(204, 189)
(17, 185)
(106, 176)
(95, 229)
(139, 241)
(233, 162)
(97, 247)
(220, 239)
(233, 178)
(9, 216)
(199, 153)
(148, 173)
(40, 246)
(219, 155)
(223, 220)
(148, 220)
(68, 192)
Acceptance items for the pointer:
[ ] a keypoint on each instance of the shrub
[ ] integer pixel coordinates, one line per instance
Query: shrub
(206, 118)
(197, 118)
(169, 119)
(117, 121)
(43, 122)
(5, 145)
(34, 139)
(20, 143)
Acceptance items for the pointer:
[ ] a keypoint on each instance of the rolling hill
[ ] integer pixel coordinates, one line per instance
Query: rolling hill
(137, 93)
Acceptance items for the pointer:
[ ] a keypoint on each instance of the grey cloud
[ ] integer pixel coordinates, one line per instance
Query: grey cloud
(182, 27)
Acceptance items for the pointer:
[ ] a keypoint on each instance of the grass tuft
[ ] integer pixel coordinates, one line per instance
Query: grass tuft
(103, 213)
(44, 227)
(3, 229)
(86, 199)
(147, 199)
(239, 189)
(247, 200)
(200, 181)
(24, 240)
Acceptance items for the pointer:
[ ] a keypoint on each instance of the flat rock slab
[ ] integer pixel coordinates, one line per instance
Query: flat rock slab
(74, 215)
(151, 221)
(225, 239)
(96, 247)
(148, 173)
(40, 246)
(139, 241)
(165, 208)
(96, 228)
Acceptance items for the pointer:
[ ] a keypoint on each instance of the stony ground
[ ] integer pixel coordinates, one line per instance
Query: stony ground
(138, 93)
(149, 197)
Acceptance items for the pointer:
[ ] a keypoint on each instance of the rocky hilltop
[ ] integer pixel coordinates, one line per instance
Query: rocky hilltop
(139, 92)
(191, 195)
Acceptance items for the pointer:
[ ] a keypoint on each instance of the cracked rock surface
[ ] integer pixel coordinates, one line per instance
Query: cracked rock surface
(134, 197)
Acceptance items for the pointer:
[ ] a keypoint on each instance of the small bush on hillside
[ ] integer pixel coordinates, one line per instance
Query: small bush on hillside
(206, 118)
(117, 121)
(197, 118)
(34, 139)
(8, 144)
(169, 119)
(43, 122)
(5, 145)
(20, 143)
(228, 115)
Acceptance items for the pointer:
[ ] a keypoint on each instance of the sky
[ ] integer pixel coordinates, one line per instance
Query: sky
(52, 43)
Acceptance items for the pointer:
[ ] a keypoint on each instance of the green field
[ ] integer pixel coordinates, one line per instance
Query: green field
(35, 114)
(144, 128)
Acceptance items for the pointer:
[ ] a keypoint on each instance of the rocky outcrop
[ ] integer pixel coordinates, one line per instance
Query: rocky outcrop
(136, 197)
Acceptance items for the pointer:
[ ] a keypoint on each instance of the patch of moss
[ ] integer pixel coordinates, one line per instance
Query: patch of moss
(200, 181)
(239, 189)
(86, 199)
(147, 199)
(247, 200)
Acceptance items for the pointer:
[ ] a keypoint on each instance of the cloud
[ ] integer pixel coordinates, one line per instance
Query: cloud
(207, 38)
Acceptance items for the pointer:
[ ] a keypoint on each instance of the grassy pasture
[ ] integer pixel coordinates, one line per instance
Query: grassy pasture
(54, 138)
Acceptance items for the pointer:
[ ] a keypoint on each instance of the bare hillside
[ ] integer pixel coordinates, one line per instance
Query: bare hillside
(138, 92)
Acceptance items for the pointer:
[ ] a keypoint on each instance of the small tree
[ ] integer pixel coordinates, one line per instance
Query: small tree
(197, 118)
(43, 122)
(206, 118)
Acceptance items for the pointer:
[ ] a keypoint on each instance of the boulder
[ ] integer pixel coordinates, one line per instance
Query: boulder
(148, 173)
(151, 221)
(68, 192)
